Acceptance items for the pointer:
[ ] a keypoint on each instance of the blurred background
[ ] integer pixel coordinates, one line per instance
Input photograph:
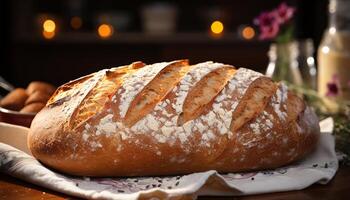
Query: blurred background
(59, 40)
(304, 43)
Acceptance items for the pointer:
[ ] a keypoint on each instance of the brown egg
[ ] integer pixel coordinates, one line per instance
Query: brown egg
(32, 108)
(14, 100)
(40, 86)
(37, 97)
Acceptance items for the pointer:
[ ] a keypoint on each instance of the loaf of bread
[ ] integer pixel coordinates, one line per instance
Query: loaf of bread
(40, 86)
(32, 107)
(14, 100)
(172, 118)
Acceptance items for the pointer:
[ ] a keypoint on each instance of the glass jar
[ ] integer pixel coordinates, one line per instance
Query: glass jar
(293, 62)
(334, 52)
(306, 63)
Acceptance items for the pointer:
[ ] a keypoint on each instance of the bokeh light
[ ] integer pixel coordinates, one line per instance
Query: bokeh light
(49, 26)
(217, 27)
(248, 33)
(105, 30)
(48, 35)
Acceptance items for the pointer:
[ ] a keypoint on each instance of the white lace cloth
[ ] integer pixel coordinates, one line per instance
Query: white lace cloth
(319, 167)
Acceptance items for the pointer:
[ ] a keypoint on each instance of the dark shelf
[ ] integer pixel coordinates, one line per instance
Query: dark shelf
(71, 55)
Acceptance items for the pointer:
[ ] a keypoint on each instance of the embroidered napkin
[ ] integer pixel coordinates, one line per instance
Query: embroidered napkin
(319, 167)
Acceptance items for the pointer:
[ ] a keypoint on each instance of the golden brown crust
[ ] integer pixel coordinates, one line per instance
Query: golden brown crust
(93, 126)
(253, 102)
(151, 94)
(201, 96)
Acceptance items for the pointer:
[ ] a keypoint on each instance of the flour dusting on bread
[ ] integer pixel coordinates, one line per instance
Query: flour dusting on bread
(170, 118)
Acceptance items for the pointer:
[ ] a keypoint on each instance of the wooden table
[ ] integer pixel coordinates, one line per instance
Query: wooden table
(338, 188)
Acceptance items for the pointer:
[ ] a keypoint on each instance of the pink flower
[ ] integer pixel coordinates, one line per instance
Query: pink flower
(270, 22)
(333, 87)
(268, 25)
(284, 13)
(265, 19)
(269, 32)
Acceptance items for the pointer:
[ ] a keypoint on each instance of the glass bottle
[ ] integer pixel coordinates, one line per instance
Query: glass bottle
(306, 63)
(292, 62)
(334, 53)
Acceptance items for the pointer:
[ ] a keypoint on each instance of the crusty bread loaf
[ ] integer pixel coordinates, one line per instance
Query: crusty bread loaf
(172, 118)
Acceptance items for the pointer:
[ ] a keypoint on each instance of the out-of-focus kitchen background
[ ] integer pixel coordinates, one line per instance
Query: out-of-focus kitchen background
(303, 43)
(59, 40)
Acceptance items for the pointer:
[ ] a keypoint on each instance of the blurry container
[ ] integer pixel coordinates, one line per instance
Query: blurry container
(334, 51)
(159, 18)
(76, 11)
(306, 63)
(120, 20)
(280, 66)
(293, 62)
(15, 117)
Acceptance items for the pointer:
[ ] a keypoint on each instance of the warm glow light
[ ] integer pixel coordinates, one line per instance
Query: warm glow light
(248, 33)
(49, 25)
(48, 35)
(76, 22)
(105, 30)
(217, 27)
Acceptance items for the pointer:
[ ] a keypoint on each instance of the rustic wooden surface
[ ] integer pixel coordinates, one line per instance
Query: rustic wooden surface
(338, 188)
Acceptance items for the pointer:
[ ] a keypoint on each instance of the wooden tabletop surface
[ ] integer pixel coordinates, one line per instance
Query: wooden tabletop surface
(338, 188)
